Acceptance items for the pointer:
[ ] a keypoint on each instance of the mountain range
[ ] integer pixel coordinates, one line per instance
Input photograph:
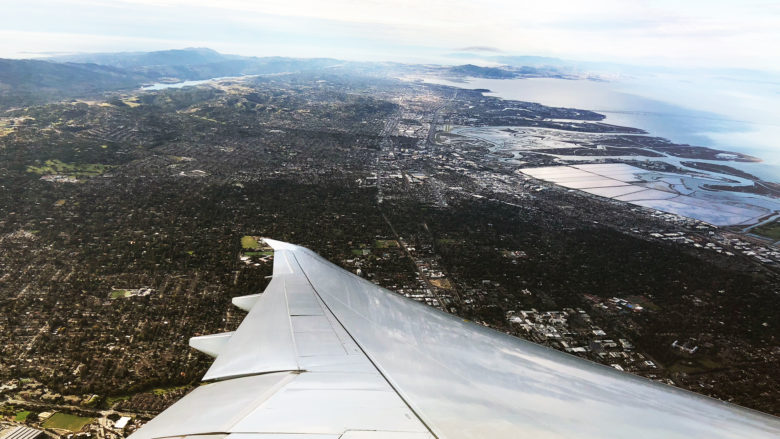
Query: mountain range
(28, 82)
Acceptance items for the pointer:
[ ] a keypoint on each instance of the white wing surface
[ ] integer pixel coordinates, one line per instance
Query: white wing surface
(326, 354)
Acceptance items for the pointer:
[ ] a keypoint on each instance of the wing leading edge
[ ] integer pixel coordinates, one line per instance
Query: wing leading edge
(352, 360)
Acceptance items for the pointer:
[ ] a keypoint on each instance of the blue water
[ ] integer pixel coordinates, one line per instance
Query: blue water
(696, 115)
(163, 86)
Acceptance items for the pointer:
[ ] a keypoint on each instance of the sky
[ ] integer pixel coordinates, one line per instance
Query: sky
(689, 33)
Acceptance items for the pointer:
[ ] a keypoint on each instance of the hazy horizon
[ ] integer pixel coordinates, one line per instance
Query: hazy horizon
(696, 34)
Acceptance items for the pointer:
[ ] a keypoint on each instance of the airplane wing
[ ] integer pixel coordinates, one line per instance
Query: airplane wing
(325, 354)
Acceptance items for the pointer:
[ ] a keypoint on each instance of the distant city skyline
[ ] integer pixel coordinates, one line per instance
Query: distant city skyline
(691, 34)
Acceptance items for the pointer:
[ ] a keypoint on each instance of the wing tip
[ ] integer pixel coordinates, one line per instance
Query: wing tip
(280, 245)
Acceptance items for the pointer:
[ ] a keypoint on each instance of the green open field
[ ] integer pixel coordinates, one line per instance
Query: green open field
(249, 243)
(65, 421)
(119, 294)
(21, 416)
(111, 400)
(74, 170)
(770, 230)
(164, 390)
(266, 253)
(385, 243)
(92, 401)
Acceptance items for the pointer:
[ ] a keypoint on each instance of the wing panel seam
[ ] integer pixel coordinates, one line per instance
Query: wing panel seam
(417, 415)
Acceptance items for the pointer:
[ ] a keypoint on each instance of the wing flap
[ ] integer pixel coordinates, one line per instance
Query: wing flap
(333, 403)
(286, 403)
(287, 329)
(263, 342)
(214, 408)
